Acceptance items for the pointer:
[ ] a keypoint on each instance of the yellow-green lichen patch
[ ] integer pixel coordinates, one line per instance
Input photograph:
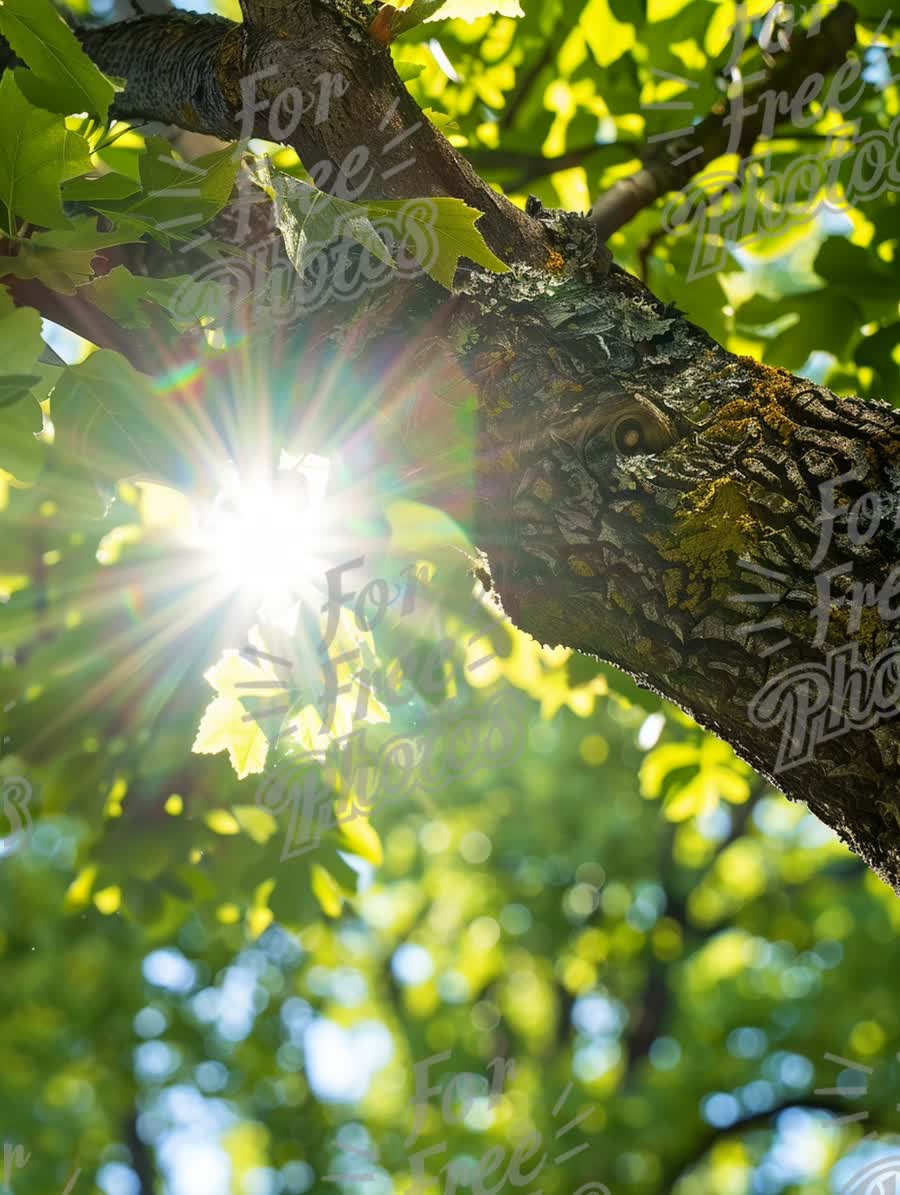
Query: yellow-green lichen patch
(871, 634)
(580, 567)
(673, 581)
(713, 525)
(737, 420)
(885, 445)
(771, 391)
(493, 404)
(619, 599)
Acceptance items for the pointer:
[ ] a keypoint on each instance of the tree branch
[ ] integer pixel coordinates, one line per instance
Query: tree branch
(142, 1161)
(754, 1120)
(531, 166)
(84, 319)
(148, 352)
(524, 86)
(651, 1008)
(671, 164)
(209, 75)
(172, 64)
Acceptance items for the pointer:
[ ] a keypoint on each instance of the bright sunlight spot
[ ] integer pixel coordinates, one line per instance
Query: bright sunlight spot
(264, 537)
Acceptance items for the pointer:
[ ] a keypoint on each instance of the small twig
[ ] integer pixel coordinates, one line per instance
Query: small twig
(643, 254)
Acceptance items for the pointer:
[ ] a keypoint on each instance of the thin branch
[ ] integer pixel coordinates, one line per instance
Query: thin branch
(671, 165)
(531, 167)
(142, 1161)
(646, 248)
(526, 84)
(755, 1120)
(652, 1006)
(89, 322)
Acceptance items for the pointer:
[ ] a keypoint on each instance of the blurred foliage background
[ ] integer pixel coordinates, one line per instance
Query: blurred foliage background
(689, 968)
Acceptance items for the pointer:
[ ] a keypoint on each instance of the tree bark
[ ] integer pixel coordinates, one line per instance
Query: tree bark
(643, 495)
(650, 498)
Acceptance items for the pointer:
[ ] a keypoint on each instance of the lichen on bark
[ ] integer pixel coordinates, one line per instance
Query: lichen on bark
(638, 484)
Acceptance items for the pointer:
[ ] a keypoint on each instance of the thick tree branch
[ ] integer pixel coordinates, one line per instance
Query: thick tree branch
(171, 64)
(209, 75)
(671, 164)
(635, 497)
(630, 469)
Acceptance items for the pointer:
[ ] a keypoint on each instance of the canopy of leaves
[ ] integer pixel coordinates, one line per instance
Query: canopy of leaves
(674, 957)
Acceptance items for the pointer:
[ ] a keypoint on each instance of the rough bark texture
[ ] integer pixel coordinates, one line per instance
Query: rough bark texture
(650, 498)
(635, 479)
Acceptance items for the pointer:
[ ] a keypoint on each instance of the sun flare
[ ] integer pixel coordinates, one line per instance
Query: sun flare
(265, 537)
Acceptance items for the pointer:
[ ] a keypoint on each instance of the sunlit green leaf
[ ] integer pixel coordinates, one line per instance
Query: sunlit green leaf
(62, 77)
(37, 153)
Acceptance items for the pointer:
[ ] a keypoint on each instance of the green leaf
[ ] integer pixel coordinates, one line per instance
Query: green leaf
(106, 415)
(309, 219)
(628, 11)
(124, 296)
(62, 78)
(103, 187)
(326, 890)
(827, 320)
(37, 153)
(20, 334)
(14, 387)
(441, 10)
(860, 275)
(360, 838)
(293, 902)
(225, 727)
(24, 381)
(62, 258)
(177, 197)
(20, 453)
(877, 352)
(409, 70)
(438, 232)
